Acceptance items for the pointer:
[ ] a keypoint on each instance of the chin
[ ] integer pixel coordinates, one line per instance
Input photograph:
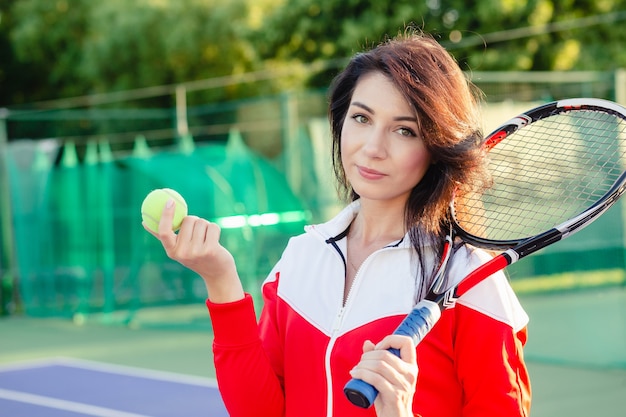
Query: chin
(383, 196)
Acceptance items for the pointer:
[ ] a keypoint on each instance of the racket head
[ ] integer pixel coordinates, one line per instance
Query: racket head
(548, 165)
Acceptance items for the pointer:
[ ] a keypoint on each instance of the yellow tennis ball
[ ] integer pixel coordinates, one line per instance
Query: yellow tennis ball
(154, 203)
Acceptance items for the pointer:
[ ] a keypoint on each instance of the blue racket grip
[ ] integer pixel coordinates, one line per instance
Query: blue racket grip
(416, 325)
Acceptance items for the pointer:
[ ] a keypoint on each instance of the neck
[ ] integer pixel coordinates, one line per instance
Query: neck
(378, 223)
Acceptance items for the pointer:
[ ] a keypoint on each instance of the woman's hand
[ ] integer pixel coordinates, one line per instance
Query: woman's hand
(197, 247)
(393, 377)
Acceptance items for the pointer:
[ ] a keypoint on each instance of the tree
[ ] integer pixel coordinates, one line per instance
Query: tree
(308, 31)
(146, 43)
(305, 30)
(84, 47)
(44, 47)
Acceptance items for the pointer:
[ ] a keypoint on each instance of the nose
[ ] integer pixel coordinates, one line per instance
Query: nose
(375, 144)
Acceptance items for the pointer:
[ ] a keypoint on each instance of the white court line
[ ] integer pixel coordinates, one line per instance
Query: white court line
(28, 364)
(138, 372)
(113, 369)
(86, 409)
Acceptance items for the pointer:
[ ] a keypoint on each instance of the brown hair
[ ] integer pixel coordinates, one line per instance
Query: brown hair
(447, 108)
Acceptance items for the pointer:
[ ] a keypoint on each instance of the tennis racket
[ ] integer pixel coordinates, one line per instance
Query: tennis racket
(555, 169)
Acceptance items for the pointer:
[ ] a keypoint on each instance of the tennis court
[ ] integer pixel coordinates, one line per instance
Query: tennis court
(576, 352)
(72, 387)
(576, 355)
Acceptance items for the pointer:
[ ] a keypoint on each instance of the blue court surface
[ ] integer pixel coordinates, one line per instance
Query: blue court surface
(77, 388)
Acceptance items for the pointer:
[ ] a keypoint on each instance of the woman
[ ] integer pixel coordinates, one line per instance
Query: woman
(405, 130)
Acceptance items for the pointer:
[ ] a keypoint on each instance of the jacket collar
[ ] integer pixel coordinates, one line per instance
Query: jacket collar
(335, 228)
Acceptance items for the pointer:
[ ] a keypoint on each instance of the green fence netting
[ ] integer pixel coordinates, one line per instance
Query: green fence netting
(79, 243)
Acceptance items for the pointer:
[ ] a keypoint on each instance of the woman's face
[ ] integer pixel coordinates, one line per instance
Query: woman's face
(382, 156)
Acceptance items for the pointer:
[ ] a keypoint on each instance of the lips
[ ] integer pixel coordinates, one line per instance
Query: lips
(370, 174)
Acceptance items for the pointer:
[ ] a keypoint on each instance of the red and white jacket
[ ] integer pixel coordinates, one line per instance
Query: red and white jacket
(295, 361)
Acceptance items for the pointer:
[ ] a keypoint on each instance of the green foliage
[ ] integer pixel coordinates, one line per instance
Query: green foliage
(146, 43)
(571, 47)
(62, 48)
(45, 39)
(314, 30)
(82, 47)
(305, 31)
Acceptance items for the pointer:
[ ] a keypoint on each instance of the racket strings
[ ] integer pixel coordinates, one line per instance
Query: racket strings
(546, 173)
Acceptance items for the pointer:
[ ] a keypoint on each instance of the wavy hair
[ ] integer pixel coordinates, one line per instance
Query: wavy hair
(447, 107)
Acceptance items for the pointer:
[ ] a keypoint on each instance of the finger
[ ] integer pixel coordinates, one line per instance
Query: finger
(213, 232)
(404, 344)
(199, 233)
(185, 232)
(165, 233)
(374, 370)
(183, 243)
(372, 361)
(384, 369)
(368, 346)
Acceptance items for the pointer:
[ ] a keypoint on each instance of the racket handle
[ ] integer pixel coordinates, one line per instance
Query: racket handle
(416, 325)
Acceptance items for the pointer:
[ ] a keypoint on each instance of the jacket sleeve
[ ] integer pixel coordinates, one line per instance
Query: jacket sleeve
(490, 366)
(489, 335)
(248, 383)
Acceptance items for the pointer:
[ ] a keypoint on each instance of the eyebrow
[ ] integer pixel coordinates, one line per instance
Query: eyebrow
(369, 109)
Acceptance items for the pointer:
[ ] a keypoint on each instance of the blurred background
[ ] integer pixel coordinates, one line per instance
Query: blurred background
(225, 101)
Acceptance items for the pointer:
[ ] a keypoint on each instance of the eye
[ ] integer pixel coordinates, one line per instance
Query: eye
(359, 118)
(404, 131)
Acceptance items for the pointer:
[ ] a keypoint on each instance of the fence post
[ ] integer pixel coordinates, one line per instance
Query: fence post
(182, 125)
(7, 238)
(293, 157)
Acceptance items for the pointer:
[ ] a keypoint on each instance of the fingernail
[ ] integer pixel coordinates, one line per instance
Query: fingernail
(169, 203)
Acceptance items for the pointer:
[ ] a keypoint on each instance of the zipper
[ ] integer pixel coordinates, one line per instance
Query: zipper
(338, 322)
(354, 281)
(331, 345)
(336, 327)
